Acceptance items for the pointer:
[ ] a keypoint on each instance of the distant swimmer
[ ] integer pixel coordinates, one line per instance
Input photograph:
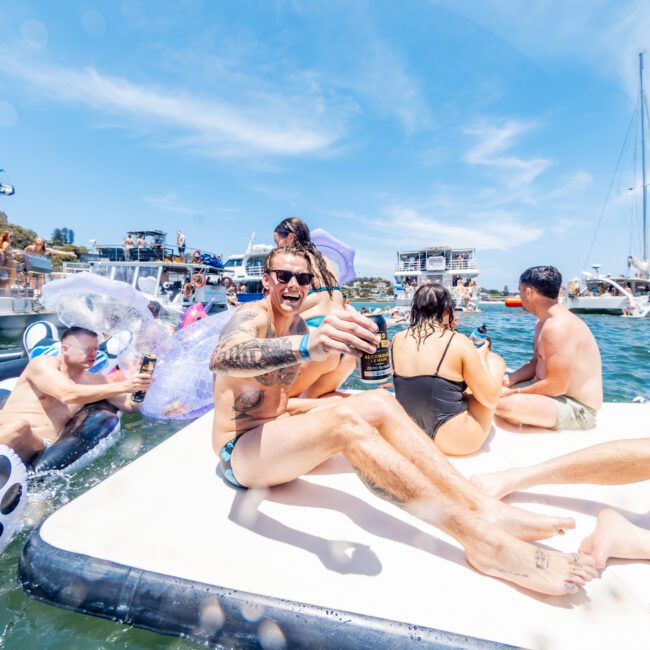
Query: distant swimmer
(263, 438)
(615, 462)
(51, 390)
(561, 386)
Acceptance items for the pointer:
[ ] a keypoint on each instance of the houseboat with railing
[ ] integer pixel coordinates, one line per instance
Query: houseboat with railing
(455, 268)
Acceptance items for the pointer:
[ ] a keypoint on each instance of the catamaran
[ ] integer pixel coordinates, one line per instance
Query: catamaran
(627, 294)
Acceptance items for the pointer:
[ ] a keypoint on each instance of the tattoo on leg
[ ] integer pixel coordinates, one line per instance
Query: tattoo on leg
(542, 559)
(246, 401)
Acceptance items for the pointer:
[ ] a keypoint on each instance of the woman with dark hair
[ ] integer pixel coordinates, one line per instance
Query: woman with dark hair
(316, 378)
(433, 367)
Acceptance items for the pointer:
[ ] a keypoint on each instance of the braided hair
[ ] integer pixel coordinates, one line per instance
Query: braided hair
(299, 229)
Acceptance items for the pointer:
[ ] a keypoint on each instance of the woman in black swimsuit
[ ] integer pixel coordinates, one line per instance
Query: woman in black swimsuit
(434, 365)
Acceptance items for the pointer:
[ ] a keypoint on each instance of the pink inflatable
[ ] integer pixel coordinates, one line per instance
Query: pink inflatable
(192, 314)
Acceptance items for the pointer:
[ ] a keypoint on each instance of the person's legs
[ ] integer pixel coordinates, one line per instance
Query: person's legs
(383, 411)
(616, 537)
(333, 380)
(312, 371)
(282, 450)
(19, 436)
(534, 410)
(609, 463)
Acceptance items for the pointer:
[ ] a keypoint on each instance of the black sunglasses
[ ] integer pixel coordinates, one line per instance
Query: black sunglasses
(284, 277)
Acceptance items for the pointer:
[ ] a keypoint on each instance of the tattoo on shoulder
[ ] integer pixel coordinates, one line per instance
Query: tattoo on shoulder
(237, 323)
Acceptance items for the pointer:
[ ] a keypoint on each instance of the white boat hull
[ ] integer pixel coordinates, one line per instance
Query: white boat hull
(17, 313)
(601, 304)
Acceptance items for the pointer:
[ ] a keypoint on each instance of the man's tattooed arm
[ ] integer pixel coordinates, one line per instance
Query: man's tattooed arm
(251, 356)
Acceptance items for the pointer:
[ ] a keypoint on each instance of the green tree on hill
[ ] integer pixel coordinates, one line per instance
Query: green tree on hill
(22, 236)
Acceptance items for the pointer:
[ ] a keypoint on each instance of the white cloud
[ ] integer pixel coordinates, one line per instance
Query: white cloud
(491, 150)
(210, 127)
(170, 203)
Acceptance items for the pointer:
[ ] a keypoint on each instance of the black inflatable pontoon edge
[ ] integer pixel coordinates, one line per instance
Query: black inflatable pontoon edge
(206, 613)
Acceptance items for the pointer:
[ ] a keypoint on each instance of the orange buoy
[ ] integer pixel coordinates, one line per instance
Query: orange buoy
(196, 256)
(514, 301)
(198, 280)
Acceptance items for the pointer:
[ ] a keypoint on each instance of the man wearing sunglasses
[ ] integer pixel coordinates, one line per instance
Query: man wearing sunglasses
(263, 439)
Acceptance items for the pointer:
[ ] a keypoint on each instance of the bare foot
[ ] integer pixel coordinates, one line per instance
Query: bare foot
(526, 525)
(529, 566)
(615, 536)
(497, 484)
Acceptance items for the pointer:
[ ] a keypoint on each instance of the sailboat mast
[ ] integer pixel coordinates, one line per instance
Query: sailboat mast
(643, 179)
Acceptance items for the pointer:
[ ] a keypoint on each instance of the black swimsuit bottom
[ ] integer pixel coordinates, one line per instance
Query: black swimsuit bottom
(431, 400)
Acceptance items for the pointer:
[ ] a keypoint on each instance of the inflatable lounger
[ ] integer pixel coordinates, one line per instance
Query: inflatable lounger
(165, 544)
(91, 431)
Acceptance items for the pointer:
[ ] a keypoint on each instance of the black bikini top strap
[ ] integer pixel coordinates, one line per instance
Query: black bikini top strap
(444, 354)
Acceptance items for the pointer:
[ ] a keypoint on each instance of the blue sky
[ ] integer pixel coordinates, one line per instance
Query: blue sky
(392, 125)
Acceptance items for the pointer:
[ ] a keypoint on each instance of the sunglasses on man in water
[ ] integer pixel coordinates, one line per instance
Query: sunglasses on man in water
(284, 277)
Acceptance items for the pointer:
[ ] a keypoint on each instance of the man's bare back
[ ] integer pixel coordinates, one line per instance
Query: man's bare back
(561, 386)
(565, 334)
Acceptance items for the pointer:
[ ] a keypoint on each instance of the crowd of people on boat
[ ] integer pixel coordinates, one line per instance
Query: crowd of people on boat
(10, 257)
(278, 411)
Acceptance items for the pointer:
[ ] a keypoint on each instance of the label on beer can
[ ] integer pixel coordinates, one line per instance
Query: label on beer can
(147, 365)
(375, 368)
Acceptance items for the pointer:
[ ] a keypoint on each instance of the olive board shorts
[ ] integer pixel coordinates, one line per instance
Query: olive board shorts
(572, 415)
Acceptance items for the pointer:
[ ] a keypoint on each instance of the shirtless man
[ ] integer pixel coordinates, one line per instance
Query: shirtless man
(51, 390)
(561, 386)
(610, 463)
(262, 441)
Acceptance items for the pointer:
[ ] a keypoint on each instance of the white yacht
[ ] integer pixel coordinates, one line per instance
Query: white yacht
(455, 268)
(246, 270)
(623, 295)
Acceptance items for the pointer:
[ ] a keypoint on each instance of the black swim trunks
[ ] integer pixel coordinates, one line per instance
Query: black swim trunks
(225, 457)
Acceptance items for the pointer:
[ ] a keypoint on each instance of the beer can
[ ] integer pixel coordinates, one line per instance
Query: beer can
(375, 368)
(147, 365)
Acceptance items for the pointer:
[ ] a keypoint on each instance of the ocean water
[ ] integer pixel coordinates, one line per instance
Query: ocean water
(26, 623)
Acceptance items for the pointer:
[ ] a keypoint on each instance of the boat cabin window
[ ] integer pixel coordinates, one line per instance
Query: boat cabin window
(147, 279)
(232, 263)
(125, 273)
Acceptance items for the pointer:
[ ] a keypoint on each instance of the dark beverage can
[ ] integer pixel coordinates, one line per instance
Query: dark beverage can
(375, 368)
(147, 365)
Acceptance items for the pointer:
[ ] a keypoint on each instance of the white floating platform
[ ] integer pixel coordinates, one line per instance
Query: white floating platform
(166, 544)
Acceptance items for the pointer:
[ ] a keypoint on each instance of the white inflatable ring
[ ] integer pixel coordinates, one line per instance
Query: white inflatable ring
(13, 493)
